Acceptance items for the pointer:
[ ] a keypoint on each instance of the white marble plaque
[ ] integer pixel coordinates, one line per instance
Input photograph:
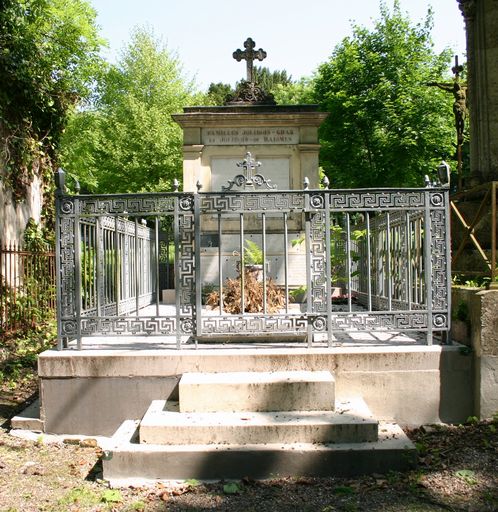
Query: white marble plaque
(250, 135)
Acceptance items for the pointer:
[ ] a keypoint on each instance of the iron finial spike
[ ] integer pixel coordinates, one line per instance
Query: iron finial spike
(60, 180)
(77, 186)
(306, 183)
(326, 182)
(443, 172)
(427, 181)
(176, 185)
(198, 185)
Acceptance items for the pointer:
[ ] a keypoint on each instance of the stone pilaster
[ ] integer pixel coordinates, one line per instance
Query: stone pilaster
(481, 22)
(484, 334)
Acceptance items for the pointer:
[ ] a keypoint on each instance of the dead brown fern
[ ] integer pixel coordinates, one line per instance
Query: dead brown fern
(253, 295)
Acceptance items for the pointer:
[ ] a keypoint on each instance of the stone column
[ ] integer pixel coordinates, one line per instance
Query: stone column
(481, 22)
(192, 167)
(484, 334)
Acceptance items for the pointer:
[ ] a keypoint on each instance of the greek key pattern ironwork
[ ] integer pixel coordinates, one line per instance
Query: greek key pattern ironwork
(129, 204)
(354, 201)
(439, 250)
(67, 267)
(241, 324)
(389, 321)
(232, 202)
(317, 250)
(152, 326)
(186, 266)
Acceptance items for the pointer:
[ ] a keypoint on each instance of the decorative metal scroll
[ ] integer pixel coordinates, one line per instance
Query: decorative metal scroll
(249, 178)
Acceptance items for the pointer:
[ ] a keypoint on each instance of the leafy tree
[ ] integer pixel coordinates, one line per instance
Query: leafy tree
(127, 141)
(386, 126)
(48, 60)
(269, 80)
(300, 92)
(219, 93)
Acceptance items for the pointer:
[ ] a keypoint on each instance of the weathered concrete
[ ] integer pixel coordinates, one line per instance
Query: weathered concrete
(125, 460)
(411, 385)
(95, 406)
(351, 422)
(29, 418)
(257, 391)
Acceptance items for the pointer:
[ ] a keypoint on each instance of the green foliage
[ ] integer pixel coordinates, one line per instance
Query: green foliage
(127, 141)
(48, 59)
(386, 126)
(219, 93)
(253, 254)
(37, 238)
(269, 80)
(21, 353)
(294, 93)
(467, 475)
(232, 488)
(111, 496)
(343, 490)
(80, 496)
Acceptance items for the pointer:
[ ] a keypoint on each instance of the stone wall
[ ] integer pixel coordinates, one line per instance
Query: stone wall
(14, 217)
(478, 312)
(484, 335)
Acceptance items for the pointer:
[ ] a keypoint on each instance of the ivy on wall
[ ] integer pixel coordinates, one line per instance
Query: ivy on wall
(48, 60)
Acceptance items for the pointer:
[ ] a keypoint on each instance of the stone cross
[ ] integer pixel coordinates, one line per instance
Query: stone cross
(249, 55)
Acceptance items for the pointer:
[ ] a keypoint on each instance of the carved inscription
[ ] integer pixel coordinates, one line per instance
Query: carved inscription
(250, 135)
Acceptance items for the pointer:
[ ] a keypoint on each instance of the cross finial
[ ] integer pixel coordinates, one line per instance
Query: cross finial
(457, 69)
(249, 55)
(249, 165)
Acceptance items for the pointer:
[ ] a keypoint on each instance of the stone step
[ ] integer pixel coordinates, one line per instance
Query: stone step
(126, 462)
(351, 422)
(257, 391)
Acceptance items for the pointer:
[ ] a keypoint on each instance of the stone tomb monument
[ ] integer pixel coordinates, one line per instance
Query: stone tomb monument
(282, 140)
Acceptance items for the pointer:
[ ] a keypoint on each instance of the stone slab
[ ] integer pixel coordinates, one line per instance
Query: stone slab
(29, 418)
(126, 461)
(351, 422)
(257, 391)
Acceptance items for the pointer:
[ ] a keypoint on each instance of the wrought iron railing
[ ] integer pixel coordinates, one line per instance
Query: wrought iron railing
(365, 260)
(27, 287)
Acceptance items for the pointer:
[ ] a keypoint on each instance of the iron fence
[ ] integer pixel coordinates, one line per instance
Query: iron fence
(27, 287)
(365, 260)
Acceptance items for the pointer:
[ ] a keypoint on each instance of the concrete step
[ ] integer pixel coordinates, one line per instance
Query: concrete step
(352, 422)
(126, 461)
(257, 391)
(29, 418)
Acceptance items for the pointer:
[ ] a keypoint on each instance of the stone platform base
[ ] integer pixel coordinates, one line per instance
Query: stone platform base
(93, 391)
